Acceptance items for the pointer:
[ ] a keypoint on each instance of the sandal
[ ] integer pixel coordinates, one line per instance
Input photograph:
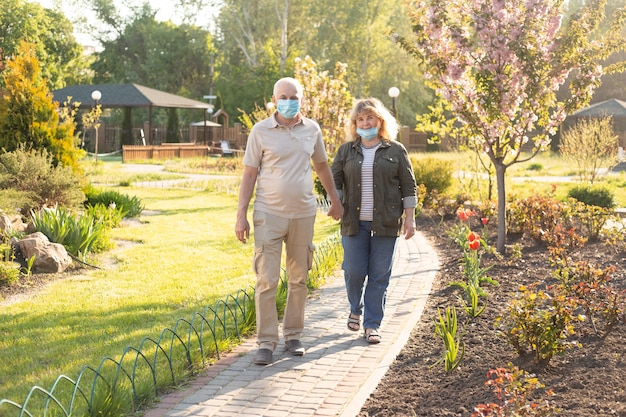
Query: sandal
(372, 336)
(354, 323)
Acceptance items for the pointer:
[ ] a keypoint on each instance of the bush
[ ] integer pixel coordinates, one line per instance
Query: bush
(128, 206)
(9, 273)
(590, 144)
(12, 200)
(79, 234)
(538, 322)
(44, 184)
(593, 196)
(111, 217)
(536, 216)
(434, 174)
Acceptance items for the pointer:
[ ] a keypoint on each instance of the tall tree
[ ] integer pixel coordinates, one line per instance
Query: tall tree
(29, 119)
(160, 55)
(497, 65)
(260, 40)
(52, 35)
(256, 47)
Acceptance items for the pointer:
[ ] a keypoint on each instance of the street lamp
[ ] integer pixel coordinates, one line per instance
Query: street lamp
(393, 92)
(96, 95)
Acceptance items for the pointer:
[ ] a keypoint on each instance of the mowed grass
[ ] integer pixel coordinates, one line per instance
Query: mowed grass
(536, 176)
(179, 257)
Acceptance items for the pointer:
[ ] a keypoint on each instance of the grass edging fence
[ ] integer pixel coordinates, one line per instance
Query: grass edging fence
(117, 387)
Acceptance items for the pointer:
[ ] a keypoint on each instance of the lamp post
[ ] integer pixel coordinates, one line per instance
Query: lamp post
(393, 92)
(96, 95)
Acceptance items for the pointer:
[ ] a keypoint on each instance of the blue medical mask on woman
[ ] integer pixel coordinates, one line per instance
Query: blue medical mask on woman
(288, 108)
(367, 134)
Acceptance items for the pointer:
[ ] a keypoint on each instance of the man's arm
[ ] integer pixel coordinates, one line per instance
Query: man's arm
(326, 178)
(248, 180)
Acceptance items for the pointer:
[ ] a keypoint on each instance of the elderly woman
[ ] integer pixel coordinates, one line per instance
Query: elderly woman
(374, 176)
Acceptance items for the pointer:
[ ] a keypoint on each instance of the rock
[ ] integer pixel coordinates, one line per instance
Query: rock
(49, 257)
(11, 223)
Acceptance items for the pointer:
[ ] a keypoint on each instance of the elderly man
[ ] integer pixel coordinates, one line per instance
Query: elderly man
(278, 160)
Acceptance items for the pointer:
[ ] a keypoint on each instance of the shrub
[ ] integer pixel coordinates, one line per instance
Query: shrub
(78, 234)
(589, 145)
(433, 173)
(34, 173)
(538, 322)
(590, 219)
(603, 304)
(12, 200)
(9, 273)
(110, 216)
(537, 216)
(128, 206)
(514, 391)
(593, 196)
(9, 270)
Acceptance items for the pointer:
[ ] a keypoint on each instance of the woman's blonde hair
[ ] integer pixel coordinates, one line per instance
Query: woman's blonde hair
(388, 128)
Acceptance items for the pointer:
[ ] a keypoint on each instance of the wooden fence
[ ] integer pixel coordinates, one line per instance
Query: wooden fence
(163, 151)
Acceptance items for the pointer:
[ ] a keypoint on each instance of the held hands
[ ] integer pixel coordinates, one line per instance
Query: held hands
(335, 211)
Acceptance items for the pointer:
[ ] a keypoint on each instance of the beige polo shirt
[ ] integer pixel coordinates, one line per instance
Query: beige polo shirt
(283, 158)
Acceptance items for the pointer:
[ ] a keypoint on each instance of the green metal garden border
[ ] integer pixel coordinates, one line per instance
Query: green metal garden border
(141, 373)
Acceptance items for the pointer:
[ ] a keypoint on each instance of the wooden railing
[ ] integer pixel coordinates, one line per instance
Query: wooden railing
(163, 151)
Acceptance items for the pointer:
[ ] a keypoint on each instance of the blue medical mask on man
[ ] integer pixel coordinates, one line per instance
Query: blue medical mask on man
(367, 134)
(288, 108)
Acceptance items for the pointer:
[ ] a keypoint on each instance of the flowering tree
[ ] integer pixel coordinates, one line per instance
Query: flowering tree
(496, 66)
(327, 99)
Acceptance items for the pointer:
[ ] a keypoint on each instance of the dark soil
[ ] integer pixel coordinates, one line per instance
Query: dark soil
(586, 381)
(27, 286)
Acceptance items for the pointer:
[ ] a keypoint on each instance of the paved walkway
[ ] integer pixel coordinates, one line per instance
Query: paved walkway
(339, 371)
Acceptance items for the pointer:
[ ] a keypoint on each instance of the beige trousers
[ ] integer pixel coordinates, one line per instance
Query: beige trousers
(269, 234)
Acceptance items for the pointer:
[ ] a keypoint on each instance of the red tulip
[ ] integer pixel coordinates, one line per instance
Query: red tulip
(484, 220)
(464, 214)
(474, 240)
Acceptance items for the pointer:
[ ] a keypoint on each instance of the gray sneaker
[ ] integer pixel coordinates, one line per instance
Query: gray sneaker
(263, 357)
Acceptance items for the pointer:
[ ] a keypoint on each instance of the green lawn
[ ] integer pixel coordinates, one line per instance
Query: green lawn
(180, 257)
(524, 179)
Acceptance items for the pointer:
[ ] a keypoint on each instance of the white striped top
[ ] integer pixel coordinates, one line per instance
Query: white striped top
(367, 183)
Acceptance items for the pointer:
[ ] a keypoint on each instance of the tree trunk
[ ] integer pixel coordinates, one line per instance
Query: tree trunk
(500, 181)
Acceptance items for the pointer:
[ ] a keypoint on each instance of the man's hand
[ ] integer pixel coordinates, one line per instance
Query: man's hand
(242, 230)
(335, 211)
(248, 179)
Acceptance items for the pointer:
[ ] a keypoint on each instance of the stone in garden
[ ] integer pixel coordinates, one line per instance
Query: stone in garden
(12, 223)
(49, 257)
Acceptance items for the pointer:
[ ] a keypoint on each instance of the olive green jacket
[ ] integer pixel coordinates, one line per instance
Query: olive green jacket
(394, 186)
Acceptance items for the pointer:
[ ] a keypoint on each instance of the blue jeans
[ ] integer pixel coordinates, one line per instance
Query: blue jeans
(371, 257)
